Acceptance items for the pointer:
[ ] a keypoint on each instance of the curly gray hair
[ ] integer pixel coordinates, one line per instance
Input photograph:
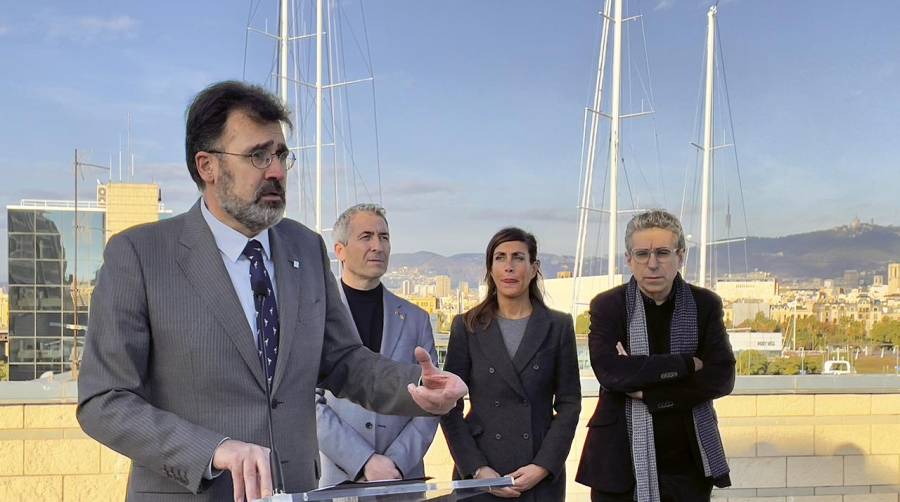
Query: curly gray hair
(654, 218)
(341, 231)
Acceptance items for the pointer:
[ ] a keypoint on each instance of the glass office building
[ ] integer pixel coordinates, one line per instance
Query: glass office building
(43, 323)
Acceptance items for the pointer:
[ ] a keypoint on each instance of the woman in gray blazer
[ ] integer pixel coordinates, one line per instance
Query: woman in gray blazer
(520, 362)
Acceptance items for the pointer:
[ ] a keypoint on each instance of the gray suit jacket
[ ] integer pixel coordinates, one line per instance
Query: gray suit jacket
(349, 434)
(170, 368)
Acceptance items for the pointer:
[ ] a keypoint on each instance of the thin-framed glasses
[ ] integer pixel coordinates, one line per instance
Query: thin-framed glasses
(262, 159)
(663, 255)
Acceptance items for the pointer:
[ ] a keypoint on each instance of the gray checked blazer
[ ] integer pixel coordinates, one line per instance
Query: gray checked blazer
(349, 434)
(170, 368)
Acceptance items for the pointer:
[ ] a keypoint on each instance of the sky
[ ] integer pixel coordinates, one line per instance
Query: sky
(481, 106)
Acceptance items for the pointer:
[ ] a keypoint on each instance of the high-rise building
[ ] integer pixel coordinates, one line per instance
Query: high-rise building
(442, 286)
(406, 287)
(51, 278)
(463, 288)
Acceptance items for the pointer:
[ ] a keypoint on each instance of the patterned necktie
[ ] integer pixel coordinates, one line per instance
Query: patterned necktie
(264, 300)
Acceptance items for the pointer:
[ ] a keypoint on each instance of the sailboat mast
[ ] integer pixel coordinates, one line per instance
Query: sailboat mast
(595, 115)
(707, 141)
(614, 139)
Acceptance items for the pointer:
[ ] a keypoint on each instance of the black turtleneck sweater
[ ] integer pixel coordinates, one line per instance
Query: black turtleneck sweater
(367, 309)
(673, 431)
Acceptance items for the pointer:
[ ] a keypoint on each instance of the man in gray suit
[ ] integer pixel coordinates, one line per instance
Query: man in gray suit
(193, 318)
(356, 443)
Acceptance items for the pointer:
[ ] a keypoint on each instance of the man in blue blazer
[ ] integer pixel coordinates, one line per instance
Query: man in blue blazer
(356, 443)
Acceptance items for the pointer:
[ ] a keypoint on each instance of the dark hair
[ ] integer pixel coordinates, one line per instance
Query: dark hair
(205, 118)
(481, 315)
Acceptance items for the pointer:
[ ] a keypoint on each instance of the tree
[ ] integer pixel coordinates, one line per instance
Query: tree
(752, 362)
(583, 323)
(886, 332)
(784, 366)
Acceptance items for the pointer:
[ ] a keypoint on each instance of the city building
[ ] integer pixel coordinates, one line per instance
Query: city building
(53, 270)
(894, 278)
(406, 288)
(463, 288)
(851, 279)
(442, 286)
(763, 289)
(426, 303)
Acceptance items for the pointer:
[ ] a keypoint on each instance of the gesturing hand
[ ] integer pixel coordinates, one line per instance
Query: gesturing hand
(527, 476)
(380, 468)
(249, 466)
(508, 492)
(440, 390)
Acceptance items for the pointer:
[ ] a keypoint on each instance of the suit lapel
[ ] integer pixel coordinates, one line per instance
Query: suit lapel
(394, 319)
(201, 263)
(491, 341)
(292, 298)
(536, 332)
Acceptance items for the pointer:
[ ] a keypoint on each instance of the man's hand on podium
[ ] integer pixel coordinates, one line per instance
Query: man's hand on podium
(439, 390)
(249, 467)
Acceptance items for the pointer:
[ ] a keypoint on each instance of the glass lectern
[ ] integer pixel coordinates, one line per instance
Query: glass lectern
(398, 491)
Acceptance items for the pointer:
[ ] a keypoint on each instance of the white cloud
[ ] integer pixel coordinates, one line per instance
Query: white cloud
(90, 28)
(418, 188)
(664, 5)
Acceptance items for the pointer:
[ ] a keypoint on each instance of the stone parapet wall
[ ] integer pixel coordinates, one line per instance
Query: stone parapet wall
(782, 448)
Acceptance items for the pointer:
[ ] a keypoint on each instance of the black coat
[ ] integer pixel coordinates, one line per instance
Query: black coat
(668, 383)
(511, 421)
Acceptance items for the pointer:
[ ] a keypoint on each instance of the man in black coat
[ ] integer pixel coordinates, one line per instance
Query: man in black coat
(660, 351)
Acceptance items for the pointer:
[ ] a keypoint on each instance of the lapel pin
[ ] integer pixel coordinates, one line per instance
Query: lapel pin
(295, 263)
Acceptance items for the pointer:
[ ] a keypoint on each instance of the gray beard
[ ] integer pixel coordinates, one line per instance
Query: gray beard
(255, 215)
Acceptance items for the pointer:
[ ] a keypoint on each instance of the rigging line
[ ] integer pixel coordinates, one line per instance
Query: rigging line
(340, 108)
(734, 148)
(374, 101)
(333, 39)
(640, 171)
(246, 40)
(350, 150)
(647, 61)
(600, 233)
(627, 184)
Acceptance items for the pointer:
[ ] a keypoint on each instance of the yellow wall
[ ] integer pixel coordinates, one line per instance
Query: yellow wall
(129, 204)
(784, 448)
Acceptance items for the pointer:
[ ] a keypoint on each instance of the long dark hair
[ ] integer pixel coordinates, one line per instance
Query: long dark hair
(481, 315)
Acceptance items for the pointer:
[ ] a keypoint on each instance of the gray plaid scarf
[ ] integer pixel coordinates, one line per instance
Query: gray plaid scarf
(683, 340)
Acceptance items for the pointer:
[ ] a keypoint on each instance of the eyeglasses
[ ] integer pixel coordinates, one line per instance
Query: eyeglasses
(663, 255)
(262, 159)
